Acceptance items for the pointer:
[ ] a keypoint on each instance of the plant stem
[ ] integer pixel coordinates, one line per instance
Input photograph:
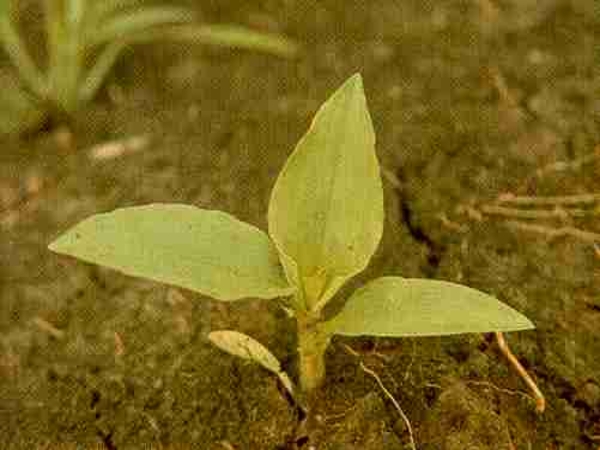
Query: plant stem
(312, 344)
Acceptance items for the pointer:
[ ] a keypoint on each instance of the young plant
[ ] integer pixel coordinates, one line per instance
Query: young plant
(325, 221)
(84, 39)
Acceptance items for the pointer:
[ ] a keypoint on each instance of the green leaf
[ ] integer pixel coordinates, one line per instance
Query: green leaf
(20, 111)
(210, 252)
(17, 51)
(106, 8)
(75, 11)
(98, 72)
(242, 345)
(127, 24)
(233, 36)
(394, 306)
(326, 209)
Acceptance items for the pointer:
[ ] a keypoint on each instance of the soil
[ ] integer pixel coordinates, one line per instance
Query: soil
(470, 100)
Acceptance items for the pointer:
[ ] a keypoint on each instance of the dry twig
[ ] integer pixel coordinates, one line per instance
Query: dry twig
(49, 328)
(586, 236)
(512, 359)
(527, 208)
(531, 200)
(555, 213)
(119, 346)
(517, 209)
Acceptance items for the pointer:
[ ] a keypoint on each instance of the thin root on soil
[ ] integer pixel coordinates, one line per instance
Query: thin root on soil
(387, 393)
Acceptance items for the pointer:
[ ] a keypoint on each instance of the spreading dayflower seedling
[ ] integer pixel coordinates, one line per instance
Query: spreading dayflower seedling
(325, 221)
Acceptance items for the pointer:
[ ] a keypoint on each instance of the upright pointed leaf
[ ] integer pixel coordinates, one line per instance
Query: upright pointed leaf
(17, 51)
(75, 11)
(326, 209)
(20, 111)
(394, 306)
(210, 252)
(97, 73)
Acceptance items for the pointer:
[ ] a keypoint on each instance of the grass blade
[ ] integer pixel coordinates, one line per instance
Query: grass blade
(235, 36)
(107, 7)
(99, 70)
(75, 12)
(19, 56)
(19, 111)
(125, 26)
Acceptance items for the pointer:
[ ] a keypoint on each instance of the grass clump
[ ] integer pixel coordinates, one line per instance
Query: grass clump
(83, 41)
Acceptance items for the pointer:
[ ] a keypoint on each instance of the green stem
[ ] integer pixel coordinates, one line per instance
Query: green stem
(65, 53)
(312, 344)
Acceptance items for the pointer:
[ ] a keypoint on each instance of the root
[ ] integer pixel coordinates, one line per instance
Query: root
(387, 393)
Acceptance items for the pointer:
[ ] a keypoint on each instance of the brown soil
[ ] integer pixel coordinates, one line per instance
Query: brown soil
(470, 99)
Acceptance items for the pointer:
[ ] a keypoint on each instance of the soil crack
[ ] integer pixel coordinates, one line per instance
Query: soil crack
(418, 233)
(107, 440)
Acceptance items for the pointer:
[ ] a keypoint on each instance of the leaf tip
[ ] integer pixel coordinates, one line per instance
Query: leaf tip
(354, 83)
(55, 245)
(63, 244)
(527, 324)
(356, 79)
(519, 321)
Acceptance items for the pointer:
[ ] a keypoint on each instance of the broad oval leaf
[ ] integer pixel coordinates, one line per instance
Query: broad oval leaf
(242, 345)
(326, 208)
(394, 306)
(210, 252)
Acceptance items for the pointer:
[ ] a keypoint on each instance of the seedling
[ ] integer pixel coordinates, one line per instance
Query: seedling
(325, 222)
(84, 39)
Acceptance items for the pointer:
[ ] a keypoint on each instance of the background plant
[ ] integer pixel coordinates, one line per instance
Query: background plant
(325, 222)
(84, 39)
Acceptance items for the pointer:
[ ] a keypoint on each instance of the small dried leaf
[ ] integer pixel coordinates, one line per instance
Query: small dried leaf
(242, 345)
